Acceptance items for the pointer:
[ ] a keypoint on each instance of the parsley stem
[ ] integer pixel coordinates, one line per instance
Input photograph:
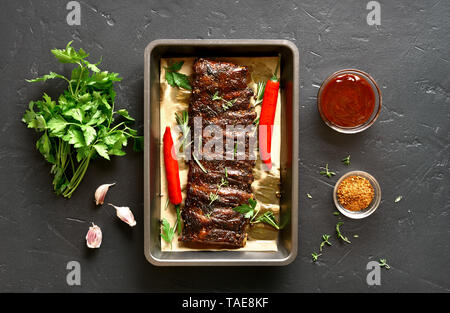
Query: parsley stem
(78, 175)
(112, 129)
(79, 79)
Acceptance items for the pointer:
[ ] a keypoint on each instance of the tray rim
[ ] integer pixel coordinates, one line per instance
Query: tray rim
(295, 154)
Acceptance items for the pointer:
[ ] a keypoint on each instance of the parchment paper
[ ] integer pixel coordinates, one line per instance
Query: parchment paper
(261, 237)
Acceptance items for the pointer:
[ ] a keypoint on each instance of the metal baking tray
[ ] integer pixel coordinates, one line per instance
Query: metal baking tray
(288, 236)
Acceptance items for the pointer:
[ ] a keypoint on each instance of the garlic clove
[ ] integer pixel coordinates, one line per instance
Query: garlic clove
(94, 237)
(125, 214)
(100, 193)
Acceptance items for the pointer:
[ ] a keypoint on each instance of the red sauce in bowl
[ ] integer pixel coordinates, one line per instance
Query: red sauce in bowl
(347, 100)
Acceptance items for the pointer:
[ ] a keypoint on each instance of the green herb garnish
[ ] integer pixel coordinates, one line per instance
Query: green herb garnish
(327, 172)
(178, 219)
(183, 121)
(339, 234)
(325, 240)
(214, 196)
(261, 86)
(315, 256)
(167, 231)
(79, 125)
(346, 160)
(383, 263)
(269, 218)
(226, 103)
(336, 213)
(247, 209)
(176, 79)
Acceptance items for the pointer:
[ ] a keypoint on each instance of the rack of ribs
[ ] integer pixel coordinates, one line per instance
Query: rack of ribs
(216, 223)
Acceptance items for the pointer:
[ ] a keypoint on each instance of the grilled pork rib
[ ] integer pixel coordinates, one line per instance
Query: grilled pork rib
(215, 222)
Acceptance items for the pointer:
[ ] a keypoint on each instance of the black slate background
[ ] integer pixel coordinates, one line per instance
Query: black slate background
(407, 149)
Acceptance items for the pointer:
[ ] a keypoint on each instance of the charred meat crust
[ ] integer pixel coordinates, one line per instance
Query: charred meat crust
(215, 223)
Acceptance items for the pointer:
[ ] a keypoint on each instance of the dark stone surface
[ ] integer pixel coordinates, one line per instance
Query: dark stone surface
(407, 149)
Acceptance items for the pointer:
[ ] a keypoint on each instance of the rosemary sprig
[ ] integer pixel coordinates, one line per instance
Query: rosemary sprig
(261, 86)
(178, 223)
(182, 121)
(269, 218)
(199, 164)
(196, 159)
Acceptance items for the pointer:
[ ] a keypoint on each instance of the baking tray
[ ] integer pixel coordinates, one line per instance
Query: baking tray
(288, 237)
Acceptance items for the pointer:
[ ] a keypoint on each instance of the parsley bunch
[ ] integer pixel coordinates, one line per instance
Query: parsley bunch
(80, 124)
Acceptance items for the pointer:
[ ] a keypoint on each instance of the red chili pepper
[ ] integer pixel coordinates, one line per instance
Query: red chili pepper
(267, 117)
(172, 171)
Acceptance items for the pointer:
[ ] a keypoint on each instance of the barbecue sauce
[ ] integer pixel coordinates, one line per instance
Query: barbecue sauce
(347, 100)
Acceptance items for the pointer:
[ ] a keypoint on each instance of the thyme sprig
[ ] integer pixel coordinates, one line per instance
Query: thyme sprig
(227, 104)
(223, 182)
(346, 160)
(327, 172)
(325, 240)
(383, 263)
(315, 256)
(339, 234)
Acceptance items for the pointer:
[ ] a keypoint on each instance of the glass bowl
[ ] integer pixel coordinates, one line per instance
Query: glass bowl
(372, 206)
(376, 110)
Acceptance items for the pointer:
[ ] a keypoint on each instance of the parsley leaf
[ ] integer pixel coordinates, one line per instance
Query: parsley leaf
(248, 210)
(167, 231)
(176, 79)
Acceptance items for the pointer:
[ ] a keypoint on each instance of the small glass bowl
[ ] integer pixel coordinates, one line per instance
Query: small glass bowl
(376, 109)
(372, 206)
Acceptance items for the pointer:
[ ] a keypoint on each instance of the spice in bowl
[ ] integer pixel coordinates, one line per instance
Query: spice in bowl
(355, 193)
